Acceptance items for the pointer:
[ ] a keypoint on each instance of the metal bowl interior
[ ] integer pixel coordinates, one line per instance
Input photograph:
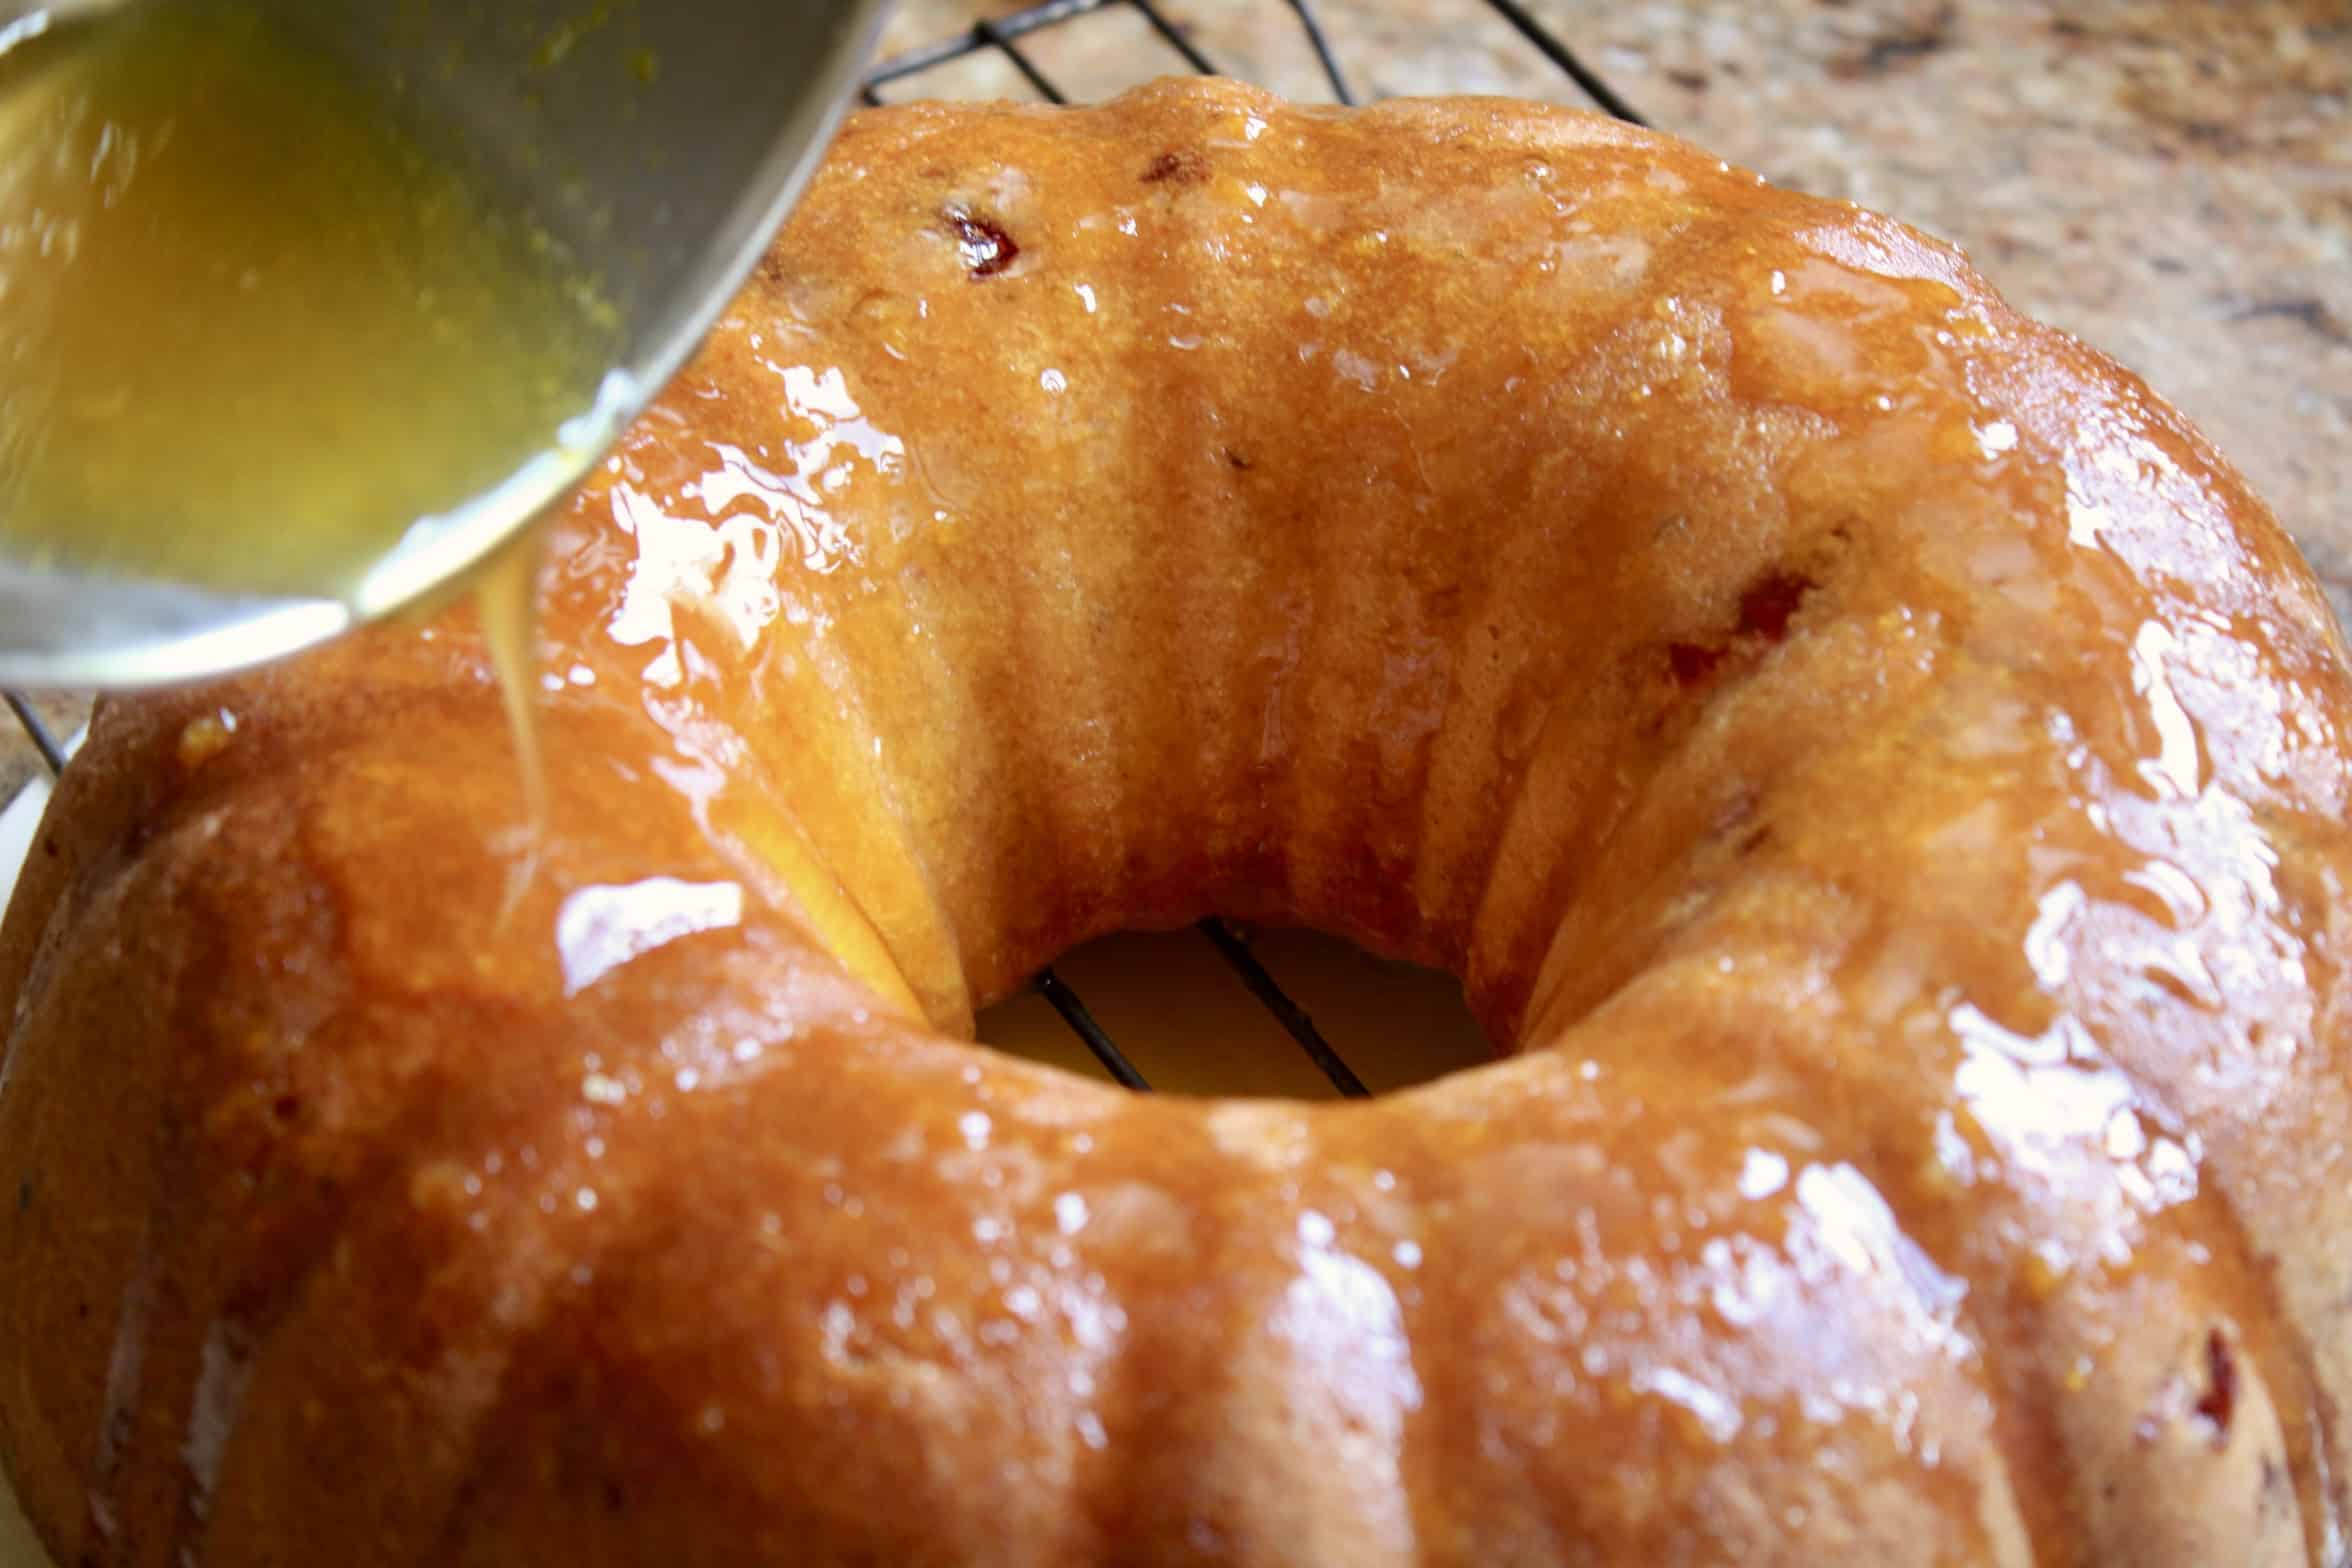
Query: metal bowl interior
(662, 142)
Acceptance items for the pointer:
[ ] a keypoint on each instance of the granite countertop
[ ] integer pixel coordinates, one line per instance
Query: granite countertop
(2170, 179)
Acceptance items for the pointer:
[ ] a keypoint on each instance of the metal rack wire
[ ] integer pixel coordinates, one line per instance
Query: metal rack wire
(1005, 37)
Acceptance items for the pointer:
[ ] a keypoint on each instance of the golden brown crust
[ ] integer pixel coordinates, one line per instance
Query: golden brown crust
(1880, 769)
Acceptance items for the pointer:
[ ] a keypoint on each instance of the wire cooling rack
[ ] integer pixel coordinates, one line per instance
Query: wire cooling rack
(1008, 38)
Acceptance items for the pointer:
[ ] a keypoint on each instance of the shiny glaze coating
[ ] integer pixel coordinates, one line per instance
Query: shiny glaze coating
(1872, 762)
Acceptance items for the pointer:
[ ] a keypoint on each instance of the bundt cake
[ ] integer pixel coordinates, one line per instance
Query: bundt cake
(1880, 777)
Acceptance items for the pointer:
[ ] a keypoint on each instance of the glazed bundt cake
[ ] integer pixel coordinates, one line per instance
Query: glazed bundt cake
(1879, 775)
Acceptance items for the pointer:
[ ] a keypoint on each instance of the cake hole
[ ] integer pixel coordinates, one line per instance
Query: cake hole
(1187, 1020)
(1179, 166)
(2220, 1399)
(1770, 603)
(1691, 663)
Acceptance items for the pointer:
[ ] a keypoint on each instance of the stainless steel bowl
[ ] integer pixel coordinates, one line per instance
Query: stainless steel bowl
(666, 181)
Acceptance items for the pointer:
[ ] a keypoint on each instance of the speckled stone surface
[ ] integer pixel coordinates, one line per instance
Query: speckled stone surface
(2170, 179)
